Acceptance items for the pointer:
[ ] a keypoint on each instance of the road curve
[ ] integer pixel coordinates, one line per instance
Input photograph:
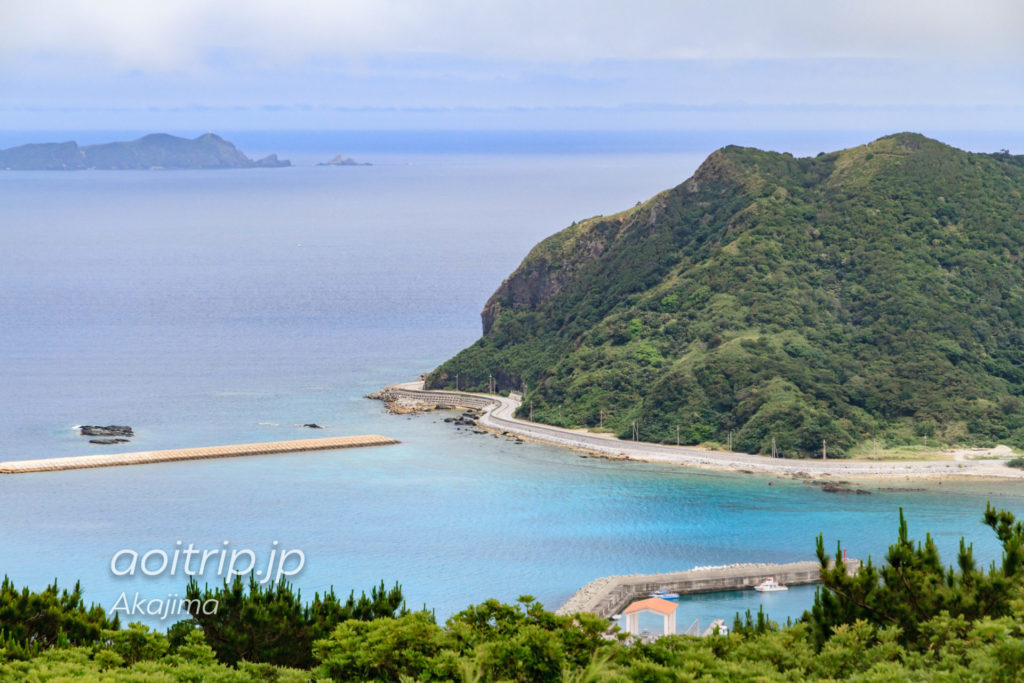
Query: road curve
(499, 415)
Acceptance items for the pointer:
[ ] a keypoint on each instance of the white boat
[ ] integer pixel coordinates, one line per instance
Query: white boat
(664, 595)
(769, 585)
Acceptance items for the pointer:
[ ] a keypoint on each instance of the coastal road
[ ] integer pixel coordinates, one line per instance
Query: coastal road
(499, 415)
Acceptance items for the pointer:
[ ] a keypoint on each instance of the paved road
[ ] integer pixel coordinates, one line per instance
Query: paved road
(499, 415)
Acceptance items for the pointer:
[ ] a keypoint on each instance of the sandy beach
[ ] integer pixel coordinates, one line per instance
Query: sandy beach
(498, 415)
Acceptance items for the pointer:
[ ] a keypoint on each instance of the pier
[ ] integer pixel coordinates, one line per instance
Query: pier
(174, 455)
(609, 595)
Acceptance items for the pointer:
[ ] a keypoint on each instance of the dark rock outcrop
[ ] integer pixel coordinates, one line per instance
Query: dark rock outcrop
(108, 431)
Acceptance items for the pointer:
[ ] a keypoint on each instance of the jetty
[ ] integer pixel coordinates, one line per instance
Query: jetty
(609, 595)
(174, 455)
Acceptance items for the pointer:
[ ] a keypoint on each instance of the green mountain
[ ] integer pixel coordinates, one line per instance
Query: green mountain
(874, 292)
(149, 152)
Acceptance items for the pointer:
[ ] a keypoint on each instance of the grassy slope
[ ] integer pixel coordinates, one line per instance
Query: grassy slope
(874, 291)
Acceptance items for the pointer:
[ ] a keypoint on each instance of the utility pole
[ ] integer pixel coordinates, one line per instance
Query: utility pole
(773, 446)
(677, 435)
(636, 432)
(730, 439)
(531, 411)
(824, 452)
(601, 419)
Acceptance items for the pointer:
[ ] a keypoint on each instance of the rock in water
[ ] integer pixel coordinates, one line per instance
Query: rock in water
(109, 430)
(272, 161)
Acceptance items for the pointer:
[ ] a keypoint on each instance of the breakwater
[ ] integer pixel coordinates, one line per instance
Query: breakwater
(173, 455)
(412, 395)
(609, 595)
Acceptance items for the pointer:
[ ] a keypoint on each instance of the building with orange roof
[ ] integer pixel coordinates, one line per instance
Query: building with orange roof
(665, 608)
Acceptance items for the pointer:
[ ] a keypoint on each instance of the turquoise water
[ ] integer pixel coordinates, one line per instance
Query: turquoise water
(223, 307)
(456, 517)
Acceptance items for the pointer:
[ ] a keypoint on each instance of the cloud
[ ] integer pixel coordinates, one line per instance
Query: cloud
(653, 58)
(192, 35)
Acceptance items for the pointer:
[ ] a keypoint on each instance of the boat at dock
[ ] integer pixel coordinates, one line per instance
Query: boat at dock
(770, 585)
(664, 595)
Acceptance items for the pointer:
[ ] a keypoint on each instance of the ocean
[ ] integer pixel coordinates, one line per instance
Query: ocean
(217, 307)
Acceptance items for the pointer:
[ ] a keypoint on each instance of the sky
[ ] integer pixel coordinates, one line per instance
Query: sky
(511, 65)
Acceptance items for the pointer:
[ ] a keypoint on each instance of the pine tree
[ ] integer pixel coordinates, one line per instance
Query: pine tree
(271, 624)
(913, 586)
(53, 617)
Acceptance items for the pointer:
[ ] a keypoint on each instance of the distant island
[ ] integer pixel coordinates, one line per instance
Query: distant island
(157, 151)
(344, 161)
(779, 305)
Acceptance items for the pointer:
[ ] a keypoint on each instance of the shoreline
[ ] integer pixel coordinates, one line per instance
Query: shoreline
(498, 416)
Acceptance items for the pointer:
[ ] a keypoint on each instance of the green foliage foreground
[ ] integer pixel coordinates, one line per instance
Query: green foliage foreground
(909, 619)
(271, 624)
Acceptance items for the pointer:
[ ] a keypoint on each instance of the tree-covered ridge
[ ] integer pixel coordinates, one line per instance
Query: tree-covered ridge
(876, 291)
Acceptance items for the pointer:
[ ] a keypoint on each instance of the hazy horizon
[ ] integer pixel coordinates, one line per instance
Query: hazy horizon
(390, 146)
(490, 65)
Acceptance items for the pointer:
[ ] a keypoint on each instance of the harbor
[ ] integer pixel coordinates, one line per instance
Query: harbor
(610, 595)
(178, 454)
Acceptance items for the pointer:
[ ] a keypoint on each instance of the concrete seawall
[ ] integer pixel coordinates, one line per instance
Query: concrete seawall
(609, 595)
(148, 457)
(444, 399)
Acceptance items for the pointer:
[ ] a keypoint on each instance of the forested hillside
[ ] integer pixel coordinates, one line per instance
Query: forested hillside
(874, 292)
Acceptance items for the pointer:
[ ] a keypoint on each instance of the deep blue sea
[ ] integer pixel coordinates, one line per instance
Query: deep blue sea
(216, 307)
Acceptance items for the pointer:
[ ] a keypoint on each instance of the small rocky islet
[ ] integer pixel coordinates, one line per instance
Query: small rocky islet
(342, 160)
(108, 435)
